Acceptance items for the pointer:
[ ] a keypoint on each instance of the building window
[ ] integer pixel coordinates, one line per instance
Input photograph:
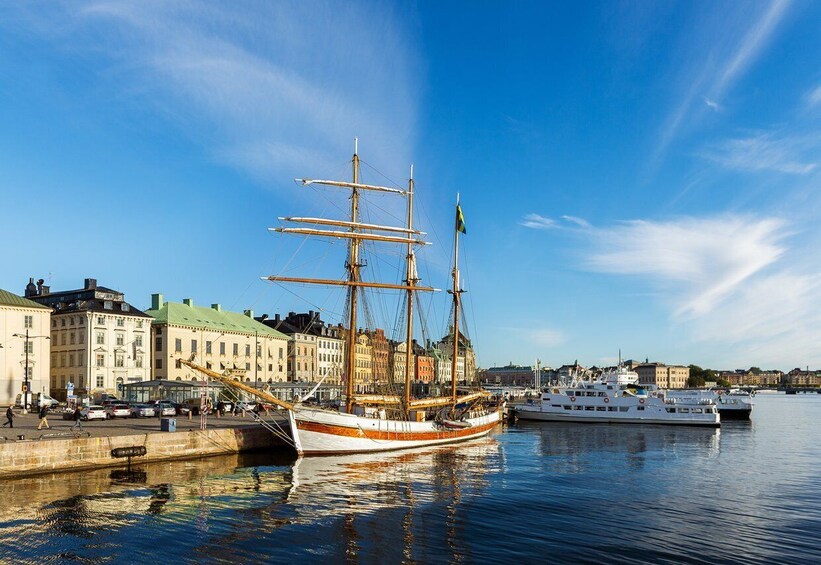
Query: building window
(138, 341)
(54, 323)
(71, 338)
(81, 338)
(208, 348)
(120, 322)
(118, 360)
(280, 353)
(63, 339)
(120, 339)
(138, 362)
(70, 359)
(193, 346)
(28, 347)
(100, 338)
(62, 322)
(158, 344)
(139, 323)
(28, 322)
(247, 366)
(177, 345)
(100, 320)
(108, 305)
(222, 349)
(247, 350)
(100, 381)
(80, 321)
(158, 364)
(100, 360)
(236, 349)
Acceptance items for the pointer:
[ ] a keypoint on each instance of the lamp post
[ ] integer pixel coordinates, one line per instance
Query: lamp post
(28, 339)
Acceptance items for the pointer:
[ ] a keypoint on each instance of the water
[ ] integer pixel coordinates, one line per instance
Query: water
(749, 492)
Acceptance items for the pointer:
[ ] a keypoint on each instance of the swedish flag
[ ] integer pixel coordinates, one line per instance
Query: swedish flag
(460, 220)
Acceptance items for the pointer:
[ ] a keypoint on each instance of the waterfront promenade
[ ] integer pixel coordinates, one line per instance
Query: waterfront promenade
(24, 450)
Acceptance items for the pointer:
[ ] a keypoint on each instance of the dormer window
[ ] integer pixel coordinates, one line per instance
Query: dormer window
(125, 307)
(108, 305)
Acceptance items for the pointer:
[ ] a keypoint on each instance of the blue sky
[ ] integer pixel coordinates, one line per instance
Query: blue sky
(641, 176)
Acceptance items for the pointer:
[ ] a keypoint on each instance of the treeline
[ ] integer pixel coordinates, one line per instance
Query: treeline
(698, 377)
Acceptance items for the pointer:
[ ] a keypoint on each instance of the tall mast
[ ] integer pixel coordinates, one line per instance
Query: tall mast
(353, 277)
(410, 281)
(456, 292)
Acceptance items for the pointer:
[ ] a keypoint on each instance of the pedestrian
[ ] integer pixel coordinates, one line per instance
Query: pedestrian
(9, 417)
(78, 419)
(43, 417)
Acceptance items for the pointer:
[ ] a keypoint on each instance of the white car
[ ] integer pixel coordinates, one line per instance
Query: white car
(117, 410)
(142, 411)
(93, 412)
(165, 409)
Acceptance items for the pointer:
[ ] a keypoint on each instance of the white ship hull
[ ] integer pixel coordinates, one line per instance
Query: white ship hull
(617, 419)
(323, 432)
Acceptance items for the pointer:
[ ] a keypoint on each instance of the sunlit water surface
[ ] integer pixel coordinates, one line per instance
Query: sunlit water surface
(749, 492)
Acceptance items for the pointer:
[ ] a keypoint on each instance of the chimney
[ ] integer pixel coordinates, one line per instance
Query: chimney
(249, 313)
(156, 301)
(188, 302)
(217, 307)
(276, 319)
(31, 290)
(90, 284)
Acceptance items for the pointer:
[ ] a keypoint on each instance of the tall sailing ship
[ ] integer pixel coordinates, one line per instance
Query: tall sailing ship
(378, 422)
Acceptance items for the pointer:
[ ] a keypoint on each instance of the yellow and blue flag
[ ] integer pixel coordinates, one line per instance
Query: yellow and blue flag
(460, 220)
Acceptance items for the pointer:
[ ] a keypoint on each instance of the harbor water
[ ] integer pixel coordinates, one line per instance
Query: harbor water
(747, 492)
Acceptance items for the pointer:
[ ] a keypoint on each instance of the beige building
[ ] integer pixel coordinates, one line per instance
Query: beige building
(216, 338)
(18, 316)
(99, 342)
(363, 362)
(663, 376)
(398, 359)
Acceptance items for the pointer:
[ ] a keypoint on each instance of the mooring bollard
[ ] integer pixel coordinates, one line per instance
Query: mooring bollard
(189, 415)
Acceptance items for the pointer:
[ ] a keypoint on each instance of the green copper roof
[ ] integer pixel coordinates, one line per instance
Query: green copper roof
(10, 299)
(177, 314)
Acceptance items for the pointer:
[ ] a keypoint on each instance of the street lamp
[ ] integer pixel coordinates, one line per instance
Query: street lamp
(28, 339)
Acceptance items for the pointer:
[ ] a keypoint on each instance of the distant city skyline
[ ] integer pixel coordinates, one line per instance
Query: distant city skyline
(641, 177)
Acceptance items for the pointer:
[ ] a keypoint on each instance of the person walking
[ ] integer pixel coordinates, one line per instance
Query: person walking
(9, 417)
(78, 420)
(43, 417)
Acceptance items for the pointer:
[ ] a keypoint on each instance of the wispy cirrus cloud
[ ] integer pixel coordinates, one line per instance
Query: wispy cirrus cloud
(765, 151)
(581, 222)
(719, 60)
(538, 222)
(270, 88)
(699, 261)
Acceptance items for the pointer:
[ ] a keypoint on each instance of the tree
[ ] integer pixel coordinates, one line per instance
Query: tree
(695, 381)
(755, 370)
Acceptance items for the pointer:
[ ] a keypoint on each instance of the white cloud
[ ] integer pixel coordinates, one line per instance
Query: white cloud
(274, 89)
(581, 222)
(537, 222)
(763, 152)
(545, 337)
(700, 261)
(712, 104)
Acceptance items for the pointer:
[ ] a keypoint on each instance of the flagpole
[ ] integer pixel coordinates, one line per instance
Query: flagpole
(455, 359)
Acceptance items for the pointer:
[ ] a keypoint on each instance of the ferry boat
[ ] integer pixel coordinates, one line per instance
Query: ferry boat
(377, 422)
(616, 397)
(734, 404)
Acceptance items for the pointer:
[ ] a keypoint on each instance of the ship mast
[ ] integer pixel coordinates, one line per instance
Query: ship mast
(353, 278)
(456, 292)
(411, 281)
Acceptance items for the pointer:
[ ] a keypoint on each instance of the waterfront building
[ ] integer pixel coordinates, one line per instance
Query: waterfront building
(380, 360)
(425, 364)
(807, 378)
(398, 357)
(363, 363)
(99, 342)
(465, 364)
(315, 350)
(302, 342)
(218, 339)
(19, 315)
(509, 375)
(663, 376)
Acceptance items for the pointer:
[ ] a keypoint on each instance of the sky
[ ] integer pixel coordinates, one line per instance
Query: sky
(637, 177)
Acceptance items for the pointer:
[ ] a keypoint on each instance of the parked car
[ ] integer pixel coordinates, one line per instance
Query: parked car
(118, 409)
(142, 411)
(247, 406)
(182, 409)
(193, 404)
(93, 412)
(165, 408)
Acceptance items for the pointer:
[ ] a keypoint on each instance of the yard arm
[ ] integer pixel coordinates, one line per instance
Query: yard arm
(237, 385)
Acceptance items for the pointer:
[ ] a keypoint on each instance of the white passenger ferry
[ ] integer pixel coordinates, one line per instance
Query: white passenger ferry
(733, 404)
(616, 397)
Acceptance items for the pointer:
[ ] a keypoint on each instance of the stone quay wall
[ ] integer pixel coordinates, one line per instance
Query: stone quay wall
(31, 457)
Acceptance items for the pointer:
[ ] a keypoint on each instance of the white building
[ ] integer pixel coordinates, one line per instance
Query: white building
(98, 340)
(18, 316)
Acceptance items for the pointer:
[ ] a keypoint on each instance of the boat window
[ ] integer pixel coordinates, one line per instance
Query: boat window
(571, 393)
(671, 410)
(623, 408)
(696, 410)
(577, 407)
(602, 394)
(566, 407)
(609, 387)
(684, 410)
(640, 408)
(556, 405)
(591, 408)
(600, 409)
(612, 409)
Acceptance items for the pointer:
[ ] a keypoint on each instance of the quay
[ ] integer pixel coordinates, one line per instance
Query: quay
(60, 449)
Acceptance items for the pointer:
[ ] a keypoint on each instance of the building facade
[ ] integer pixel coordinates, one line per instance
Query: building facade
(363, 363)
(663, 376)
(302, 344)
(99, 342)
(380, 356)
(217, 339)
(509, 375)
(18, 316)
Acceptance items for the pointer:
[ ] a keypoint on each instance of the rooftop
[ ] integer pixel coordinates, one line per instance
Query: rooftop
(10, 299)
